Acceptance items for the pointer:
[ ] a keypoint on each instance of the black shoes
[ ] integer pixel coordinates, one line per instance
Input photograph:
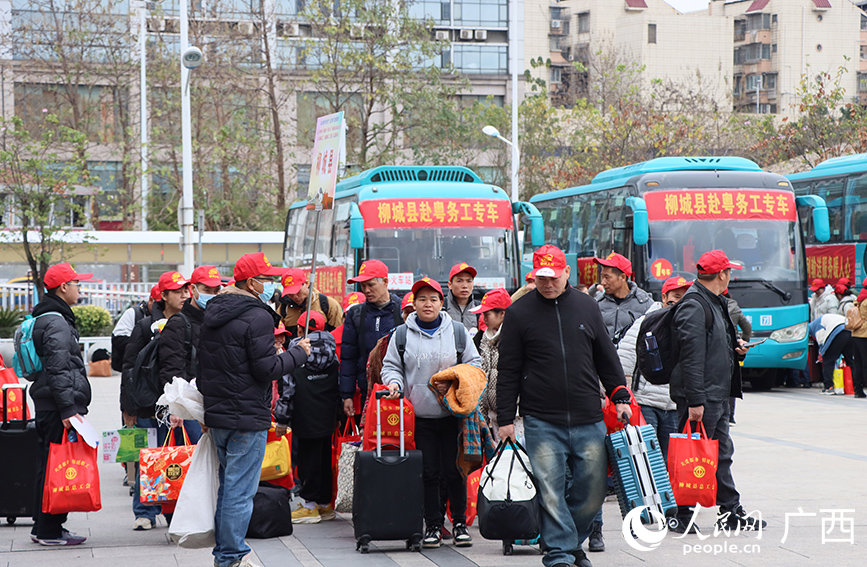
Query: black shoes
(860, 395)
(678, 525)
(433, 537)
(462, 535)
(596, 542)
(738, 519)
(581, 559)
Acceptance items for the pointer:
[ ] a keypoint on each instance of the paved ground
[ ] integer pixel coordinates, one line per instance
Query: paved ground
(795, 450)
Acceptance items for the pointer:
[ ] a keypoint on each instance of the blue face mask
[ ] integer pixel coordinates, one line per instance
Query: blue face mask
(204, 298)
(267, 292)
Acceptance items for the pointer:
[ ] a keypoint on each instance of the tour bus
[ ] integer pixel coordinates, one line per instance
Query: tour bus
(842, 183)
(420, 221)
(664, 213)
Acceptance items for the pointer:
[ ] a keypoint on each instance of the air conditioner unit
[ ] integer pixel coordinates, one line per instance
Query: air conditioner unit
(246, 28)
(467, 35)
(556, 24)
(442, 35)
(481, 35)
(156, 24)
(288, 29)
(173, 25)
(356, 31)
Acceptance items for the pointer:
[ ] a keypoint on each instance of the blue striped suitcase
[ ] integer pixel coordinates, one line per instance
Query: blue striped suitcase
(640, 474)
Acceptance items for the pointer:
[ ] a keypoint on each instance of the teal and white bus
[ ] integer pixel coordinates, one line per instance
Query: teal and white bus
(664, 213)
(420, 221)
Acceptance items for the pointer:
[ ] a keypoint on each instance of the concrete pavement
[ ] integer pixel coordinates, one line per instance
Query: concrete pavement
(796, 451)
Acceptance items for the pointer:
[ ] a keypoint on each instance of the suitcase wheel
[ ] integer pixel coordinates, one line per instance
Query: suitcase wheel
(413, 545)
(11, 520)
(363, 544)
(508, 548)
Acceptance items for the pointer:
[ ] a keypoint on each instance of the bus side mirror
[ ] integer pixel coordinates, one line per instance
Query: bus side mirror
(356, 227)
(532, 217)
(640, 227)
(821, 224)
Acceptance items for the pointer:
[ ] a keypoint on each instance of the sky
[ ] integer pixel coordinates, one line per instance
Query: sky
(688, 5)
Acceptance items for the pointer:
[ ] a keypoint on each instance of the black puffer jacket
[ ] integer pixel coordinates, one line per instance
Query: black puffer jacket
(140, 337)
(175, 354)
(708, 370)
(62, 383)
(238, 361)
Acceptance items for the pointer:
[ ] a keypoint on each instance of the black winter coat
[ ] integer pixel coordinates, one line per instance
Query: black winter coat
(175, 355)
(62, 384)
(707, 370)
(553, 353)
(238, 361)
(140, 337)
(357, 343)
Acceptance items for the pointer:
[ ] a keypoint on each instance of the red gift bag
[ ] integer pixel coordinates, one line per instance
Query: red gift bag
(692, 464)
(71, 478)
(17, 400)
(390, 421)
(163, 471)
(609, 413)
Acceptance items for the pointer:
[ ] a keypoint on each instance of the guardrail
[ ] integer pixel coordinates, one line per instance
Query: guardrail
(113, 296)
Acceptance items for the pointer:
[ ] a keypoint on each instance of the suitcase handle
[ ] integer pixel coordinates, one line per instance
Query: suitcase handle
(23, 388)
(382, 393)
(379, 395)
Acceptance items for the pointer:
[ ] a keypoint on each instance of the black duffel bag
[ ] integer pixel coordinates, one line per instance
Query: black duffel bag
(508, 506)
(272, 512)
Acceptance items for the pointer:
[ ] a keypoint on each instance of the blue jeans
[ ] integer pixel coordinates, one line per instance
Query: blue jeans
(240, 454)
(664, 423)
(567, 516)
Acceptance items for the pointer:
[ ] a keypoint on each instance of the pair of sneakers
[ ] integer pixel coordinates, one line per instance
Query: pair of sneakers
(433, 536)
(304, 515)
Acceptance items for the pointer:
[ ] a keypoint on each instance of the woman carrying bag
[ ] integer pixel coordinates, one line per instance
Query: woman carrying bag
(431, 346)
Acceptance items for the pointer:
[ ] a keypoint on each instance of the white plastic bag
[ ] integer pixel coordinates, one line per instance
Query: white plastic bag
(183, 399)
(193, 521)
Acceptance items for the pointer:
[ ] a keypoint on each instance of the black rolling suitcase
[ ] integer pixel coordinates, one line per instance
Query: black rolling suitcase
(388, 498)
(19, 442)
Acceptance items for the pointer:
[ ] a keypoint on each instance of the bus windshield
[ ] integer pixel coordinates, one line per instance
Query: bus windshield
(768, 250)
(432, 252)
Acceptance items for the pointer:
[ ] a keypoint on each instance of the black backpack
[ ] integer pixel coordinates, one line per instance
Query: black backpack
(460, 340)
(144, 386)
(660, 325)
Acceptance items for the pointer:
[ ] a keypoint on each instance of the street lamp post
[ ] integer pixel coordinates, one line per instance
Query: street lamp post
(516, 157)
(142, 41)
(191, 57)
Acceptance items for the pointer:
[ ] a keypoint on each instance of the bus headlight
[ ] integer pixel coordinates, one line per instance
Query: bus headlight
(790, 334)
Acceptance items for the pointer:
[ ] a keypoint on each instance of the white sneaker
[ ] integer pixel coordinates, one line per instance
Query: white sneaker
(141, 524)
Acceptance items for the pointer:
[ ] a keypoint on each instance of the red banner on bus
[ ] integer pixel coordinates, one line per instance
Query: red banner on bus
(436, 213)
(587, 270)
(713, 204)
(330, 280)
(830, 263)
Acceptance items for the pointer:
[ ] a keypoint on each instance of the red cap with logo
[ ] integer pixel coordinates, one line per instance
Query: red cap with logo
(280, 329)
(292, 281)
(548, 262)
(615, 260)
(369, 270)
(494, 299)
(255, 264)
(407, 301)
(462, 267)
(427, 282)
(155, 292)
(530, 277)
(675, 282)
(354, 298)
(817, 285)
(171, 280)
(62, 273)
(714, 262)
(317, 321)
(206, 275)
(840, 288)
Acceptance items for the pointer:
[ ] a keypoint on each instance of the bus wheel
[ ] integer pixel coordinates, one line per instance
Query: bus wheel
(762, 379)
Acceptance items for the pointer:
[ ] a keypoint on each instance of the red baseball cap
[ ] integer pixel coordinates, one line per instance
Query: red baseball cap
(864, 283)
(494, 299)
(292, 281)
(407, 301)
(354, 298)
(170, 281)
(845, 282)
(714, 262)
(426, 282)
(280, 329)
(155, 292)
(61, 274)
(255, 264)
(206, 275)
(462, 267)
(317, 321)
(369, 270)
(675, 282)
(840, 288)
(615, 260)
(530, 277)
(817, 285)
(548, 262)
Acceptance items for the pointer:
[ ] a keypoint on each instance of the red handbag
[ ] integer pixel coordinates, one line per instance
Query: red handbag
(609, 413)
(17, 402)
(163, 471)
(390, 421)
(692, 464)
(71, 477)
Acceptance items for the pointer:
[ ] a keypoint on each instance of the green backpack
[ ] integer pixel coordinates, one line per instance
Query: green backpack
(25, 361)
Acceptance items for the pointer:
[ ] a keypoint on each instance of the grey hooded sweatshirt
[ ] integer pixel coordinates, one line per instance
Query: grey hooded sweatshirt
(425, 356)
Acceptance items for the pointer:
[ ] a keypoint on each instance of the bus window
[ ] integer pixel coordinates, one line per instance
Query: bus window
(307, 231)
(805, 213)
(832, 191)
(295, 238)
(856, 208)
(340, 250)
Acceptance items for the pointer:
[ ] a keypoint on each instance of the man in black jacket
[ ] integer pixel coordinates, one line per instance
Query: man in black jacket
(60, 390)
(706, 375)
(237, 363)
(554, 349)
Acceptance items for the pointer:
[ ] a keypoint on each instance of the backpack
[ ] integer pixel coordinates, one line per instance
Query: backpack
(460, 340)
(853, 317)
(360, 313)
(660, 326)
(26, 361)
(143, 385)
(323, 306)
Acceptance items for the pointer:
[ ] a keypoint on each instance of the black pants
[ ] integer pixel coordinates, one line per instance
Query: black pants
(437, 439)
(841, 345)
(858, 373)
(314, 467)
(51, 430)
